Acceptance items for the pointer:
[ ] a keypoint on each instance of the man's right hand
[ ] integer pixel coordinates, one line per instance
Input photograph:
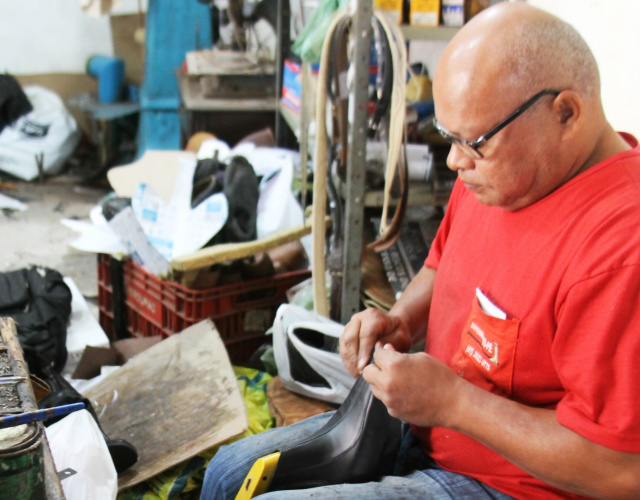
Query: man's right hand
(364, 330)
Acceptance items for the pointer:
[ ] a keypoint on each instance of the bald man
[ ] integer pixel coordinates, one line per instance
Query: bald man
(528, 386)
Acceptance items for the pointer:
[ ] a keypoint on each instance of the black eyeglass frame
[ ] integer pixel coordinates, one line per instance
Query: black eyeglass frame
(472, 147)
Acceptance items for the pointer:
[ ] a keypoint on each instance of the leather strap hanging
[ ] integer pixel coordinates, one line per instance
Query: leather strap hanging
(396, 65)
(389, 233)
(339, 92)
(321, 157)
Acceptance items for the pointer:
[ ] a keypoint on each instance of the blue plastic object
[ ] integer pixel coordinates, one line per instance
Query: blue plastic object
(110, 74)
(173, 29)
(38, 415)
(424, 109)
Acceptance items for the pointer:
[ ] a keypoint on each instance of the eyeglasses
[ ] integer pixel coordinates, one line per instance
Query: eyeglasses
(471, 148)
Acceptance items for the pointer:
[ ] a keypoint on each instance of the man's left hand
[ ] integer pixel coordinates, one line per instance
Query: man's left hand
(415, 388)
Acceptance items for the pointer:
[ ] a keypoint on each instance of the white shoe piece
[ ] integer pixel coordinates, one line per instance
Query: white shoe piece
(307, 332)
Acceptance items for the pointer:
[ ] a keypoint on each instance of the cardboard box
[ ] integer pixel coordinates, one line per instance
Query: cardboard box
(292, 85)
(292, 82)
(452, 12)
(120, 351)
(473, 7)
(393, 9)
(424, 13)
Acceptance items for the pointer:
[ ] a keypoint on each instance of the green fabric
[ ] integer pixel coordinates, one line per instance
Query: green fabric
(308, 44)
(184, 481)
(268, 360)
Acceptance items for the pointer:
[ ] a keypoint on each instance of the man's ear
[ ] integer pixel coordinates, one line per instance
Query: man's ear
(569, 108)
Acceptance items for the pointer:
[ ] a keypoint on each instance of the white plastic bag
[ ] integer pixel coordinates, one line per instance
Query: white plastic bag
(77, 443)
(48, 131)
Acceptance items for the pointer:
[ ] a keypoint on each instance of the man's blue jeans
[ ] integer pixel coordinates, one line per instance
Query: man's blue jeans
(230, 465)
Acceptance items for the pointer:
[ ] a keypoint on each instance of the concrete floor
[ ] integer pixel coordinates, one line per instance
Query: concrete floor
(36, 235)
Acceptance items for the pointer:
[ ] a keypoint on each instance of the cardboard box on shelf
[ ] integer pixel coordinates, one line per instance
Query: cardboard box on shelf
(473, 7)
(292, 82)
(453, 12)
(424, 12)
(292, 85)
(392, 8)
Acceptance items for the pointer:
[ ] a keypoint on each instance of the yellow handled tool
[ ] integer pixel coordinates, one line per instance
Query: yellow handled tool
(259, 477)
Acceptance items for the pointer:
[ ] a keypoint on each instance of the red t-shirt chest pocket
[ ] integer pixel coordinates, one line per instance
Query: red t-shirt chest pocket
(487, 351)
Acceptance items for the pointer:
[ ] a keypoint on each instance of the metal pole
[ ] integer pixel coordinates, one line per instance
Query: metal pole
(356, 159)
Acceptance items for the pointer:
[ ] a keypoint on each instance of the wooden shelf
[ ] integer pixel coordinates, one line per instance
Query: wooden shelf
(420, 194)
(443, 33)
(194, 101)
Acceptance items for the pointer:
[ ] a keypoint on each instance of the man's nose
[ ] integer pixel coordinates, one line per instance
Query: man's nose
(458, 160)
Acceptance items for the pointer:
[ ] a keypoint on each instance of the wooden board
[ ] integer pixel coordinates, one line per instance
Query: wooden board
(289, 407)
(172, 401)
(225, 252)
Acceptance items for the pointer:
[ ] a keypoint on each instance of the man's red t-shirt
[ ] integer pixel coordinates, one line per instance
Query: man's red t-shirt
(566, 273)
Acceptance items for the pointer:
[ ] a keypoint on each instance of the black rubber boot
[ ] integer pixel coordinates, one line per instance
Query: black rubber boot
(358, 444)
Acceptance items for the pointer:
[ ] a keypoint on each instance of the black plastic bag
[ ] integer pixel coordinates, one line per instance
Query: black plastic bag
(39, 301)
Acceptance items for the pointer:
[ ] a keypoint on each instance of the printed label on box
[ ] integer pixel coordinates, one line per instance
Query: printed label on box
(391, 8)
(146, 306)
(453, 12)
(424, 13)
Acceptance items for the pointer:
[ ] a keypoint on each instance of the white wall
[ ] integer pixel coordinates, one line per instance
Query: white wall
(57, 36)
(53, 36)
(610, 28)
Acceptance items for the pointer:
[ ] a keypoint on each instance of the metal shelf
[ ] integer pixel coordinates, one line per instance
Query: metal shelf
(353, 190)
(354, 195)
(193, 101)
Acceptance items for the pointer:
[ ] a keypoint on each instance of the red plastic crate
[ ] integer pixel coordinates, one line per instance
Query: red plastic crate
(242, 312)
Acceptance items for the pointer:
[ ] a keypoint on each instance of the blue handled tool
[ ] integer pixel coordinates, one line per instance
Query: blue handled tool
(36, 416)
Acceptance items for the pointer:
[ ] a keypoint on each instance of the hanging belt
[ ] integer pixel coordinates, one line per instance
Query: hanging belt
(333, 84)
(389, 233)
